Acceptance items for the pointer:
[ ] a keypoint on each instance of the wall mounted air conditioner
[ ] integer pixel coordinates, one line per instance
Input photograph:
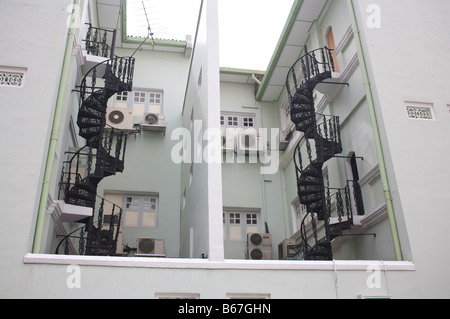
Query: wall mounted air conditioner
(150, 247)
(285, 137)
(153, 122)
(259, 246)
(286, 249)
(119, 118)
(249, 142)
(228, 140)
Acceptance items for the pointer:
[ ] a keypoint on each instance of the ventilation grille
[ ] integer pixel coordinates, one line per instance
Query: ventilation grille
(419, 111)
(12, 77)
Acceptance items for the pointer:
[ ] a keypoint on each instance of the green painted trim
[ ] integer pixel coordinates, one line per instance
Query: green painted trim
(235, 71)
(279, 49)
(38, 235)
(157, 42)
(377, 136)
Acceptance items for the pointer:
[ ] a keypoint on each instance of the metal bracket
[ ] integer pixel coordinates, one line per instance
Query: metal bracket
(345, 83)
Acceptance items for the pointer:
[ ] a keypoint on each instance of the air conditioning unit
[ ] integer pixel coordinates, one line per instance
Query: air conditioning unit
(285, 137)
(249, 143)
(150, 247)
(153, 122)
(286, 249)
(119, 118)
(259, 246)
(228, 140)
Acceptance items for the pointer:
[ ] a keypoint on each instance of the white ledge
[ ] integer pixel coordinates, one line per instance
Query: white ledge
(185, 263)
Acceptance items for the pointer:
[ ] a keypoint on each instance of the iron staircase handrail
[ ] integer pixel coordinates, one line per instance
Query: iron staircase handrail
(310, 67)
(93, 38)
(116, 67)
(112, 221)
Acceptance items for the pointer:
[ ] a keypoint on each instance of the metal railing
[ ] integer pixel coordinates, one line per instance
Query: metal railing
(100, 42)
(337, 205)
(95, 162)
(311, 65)
(117, 77)
(103, 236)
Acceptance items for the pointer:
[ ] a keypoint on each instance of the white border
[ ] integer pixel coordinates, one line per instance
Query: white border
(182, 263)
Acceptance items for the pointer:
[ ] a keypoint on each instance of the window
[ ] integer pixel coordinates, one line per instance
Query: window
(154, 98)
(141, 101)
(326, 177)
(355, 188)
(122, 96)
(251, 219)
(140, 211)
(232, 121)
(139, 97)
(300, 213)
(238, 120)
(236, 224)
(332, 47)
(247, 121)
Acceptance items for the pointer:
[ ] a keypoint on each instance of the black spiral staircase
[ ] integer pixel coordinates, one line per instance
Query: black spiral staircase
(104, 152)
(328, 210)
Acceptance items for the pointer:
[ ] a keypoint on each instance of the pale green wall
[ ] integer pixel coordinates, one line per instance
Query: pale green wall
(148, 164)
(424, 219)
(356, 132)
(244, 185)
(27, 119)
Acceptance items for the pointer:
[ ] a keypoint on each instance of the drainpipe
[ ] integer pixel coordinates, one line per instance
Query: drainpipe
(55, 133)
(256, 79)
(377, 138)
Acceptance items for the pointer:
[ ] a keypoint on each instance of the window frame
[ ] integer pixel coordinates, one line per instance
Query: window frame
(140, 209)
(299, 211)
(145, 96)
(238, 120)
(229, 219)
(331, 42)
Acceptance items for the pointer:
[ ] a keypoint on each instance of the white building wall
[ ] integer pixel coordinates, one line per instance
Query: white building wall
(408, 60)
(201, 218)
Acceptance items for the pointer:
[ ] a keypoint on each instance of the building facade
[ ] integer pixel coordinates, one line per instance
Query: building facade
(144, 161)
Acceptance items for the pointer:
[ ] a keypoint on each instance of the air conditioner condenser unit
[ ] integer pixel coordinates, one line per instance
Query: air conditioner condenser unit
(249, 143)
(260, 254)
(153, 122)
(259, 246)
(286, 249)
(228, 140)
(119, 118)
(150, 247)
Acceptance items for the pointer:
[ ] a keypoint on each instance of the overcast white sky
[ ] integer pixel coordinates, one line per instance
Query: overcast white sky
(249, 29)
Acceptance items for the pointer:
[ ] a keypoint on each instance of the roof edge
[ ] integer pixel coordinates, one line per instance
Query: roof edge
(237, 71)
